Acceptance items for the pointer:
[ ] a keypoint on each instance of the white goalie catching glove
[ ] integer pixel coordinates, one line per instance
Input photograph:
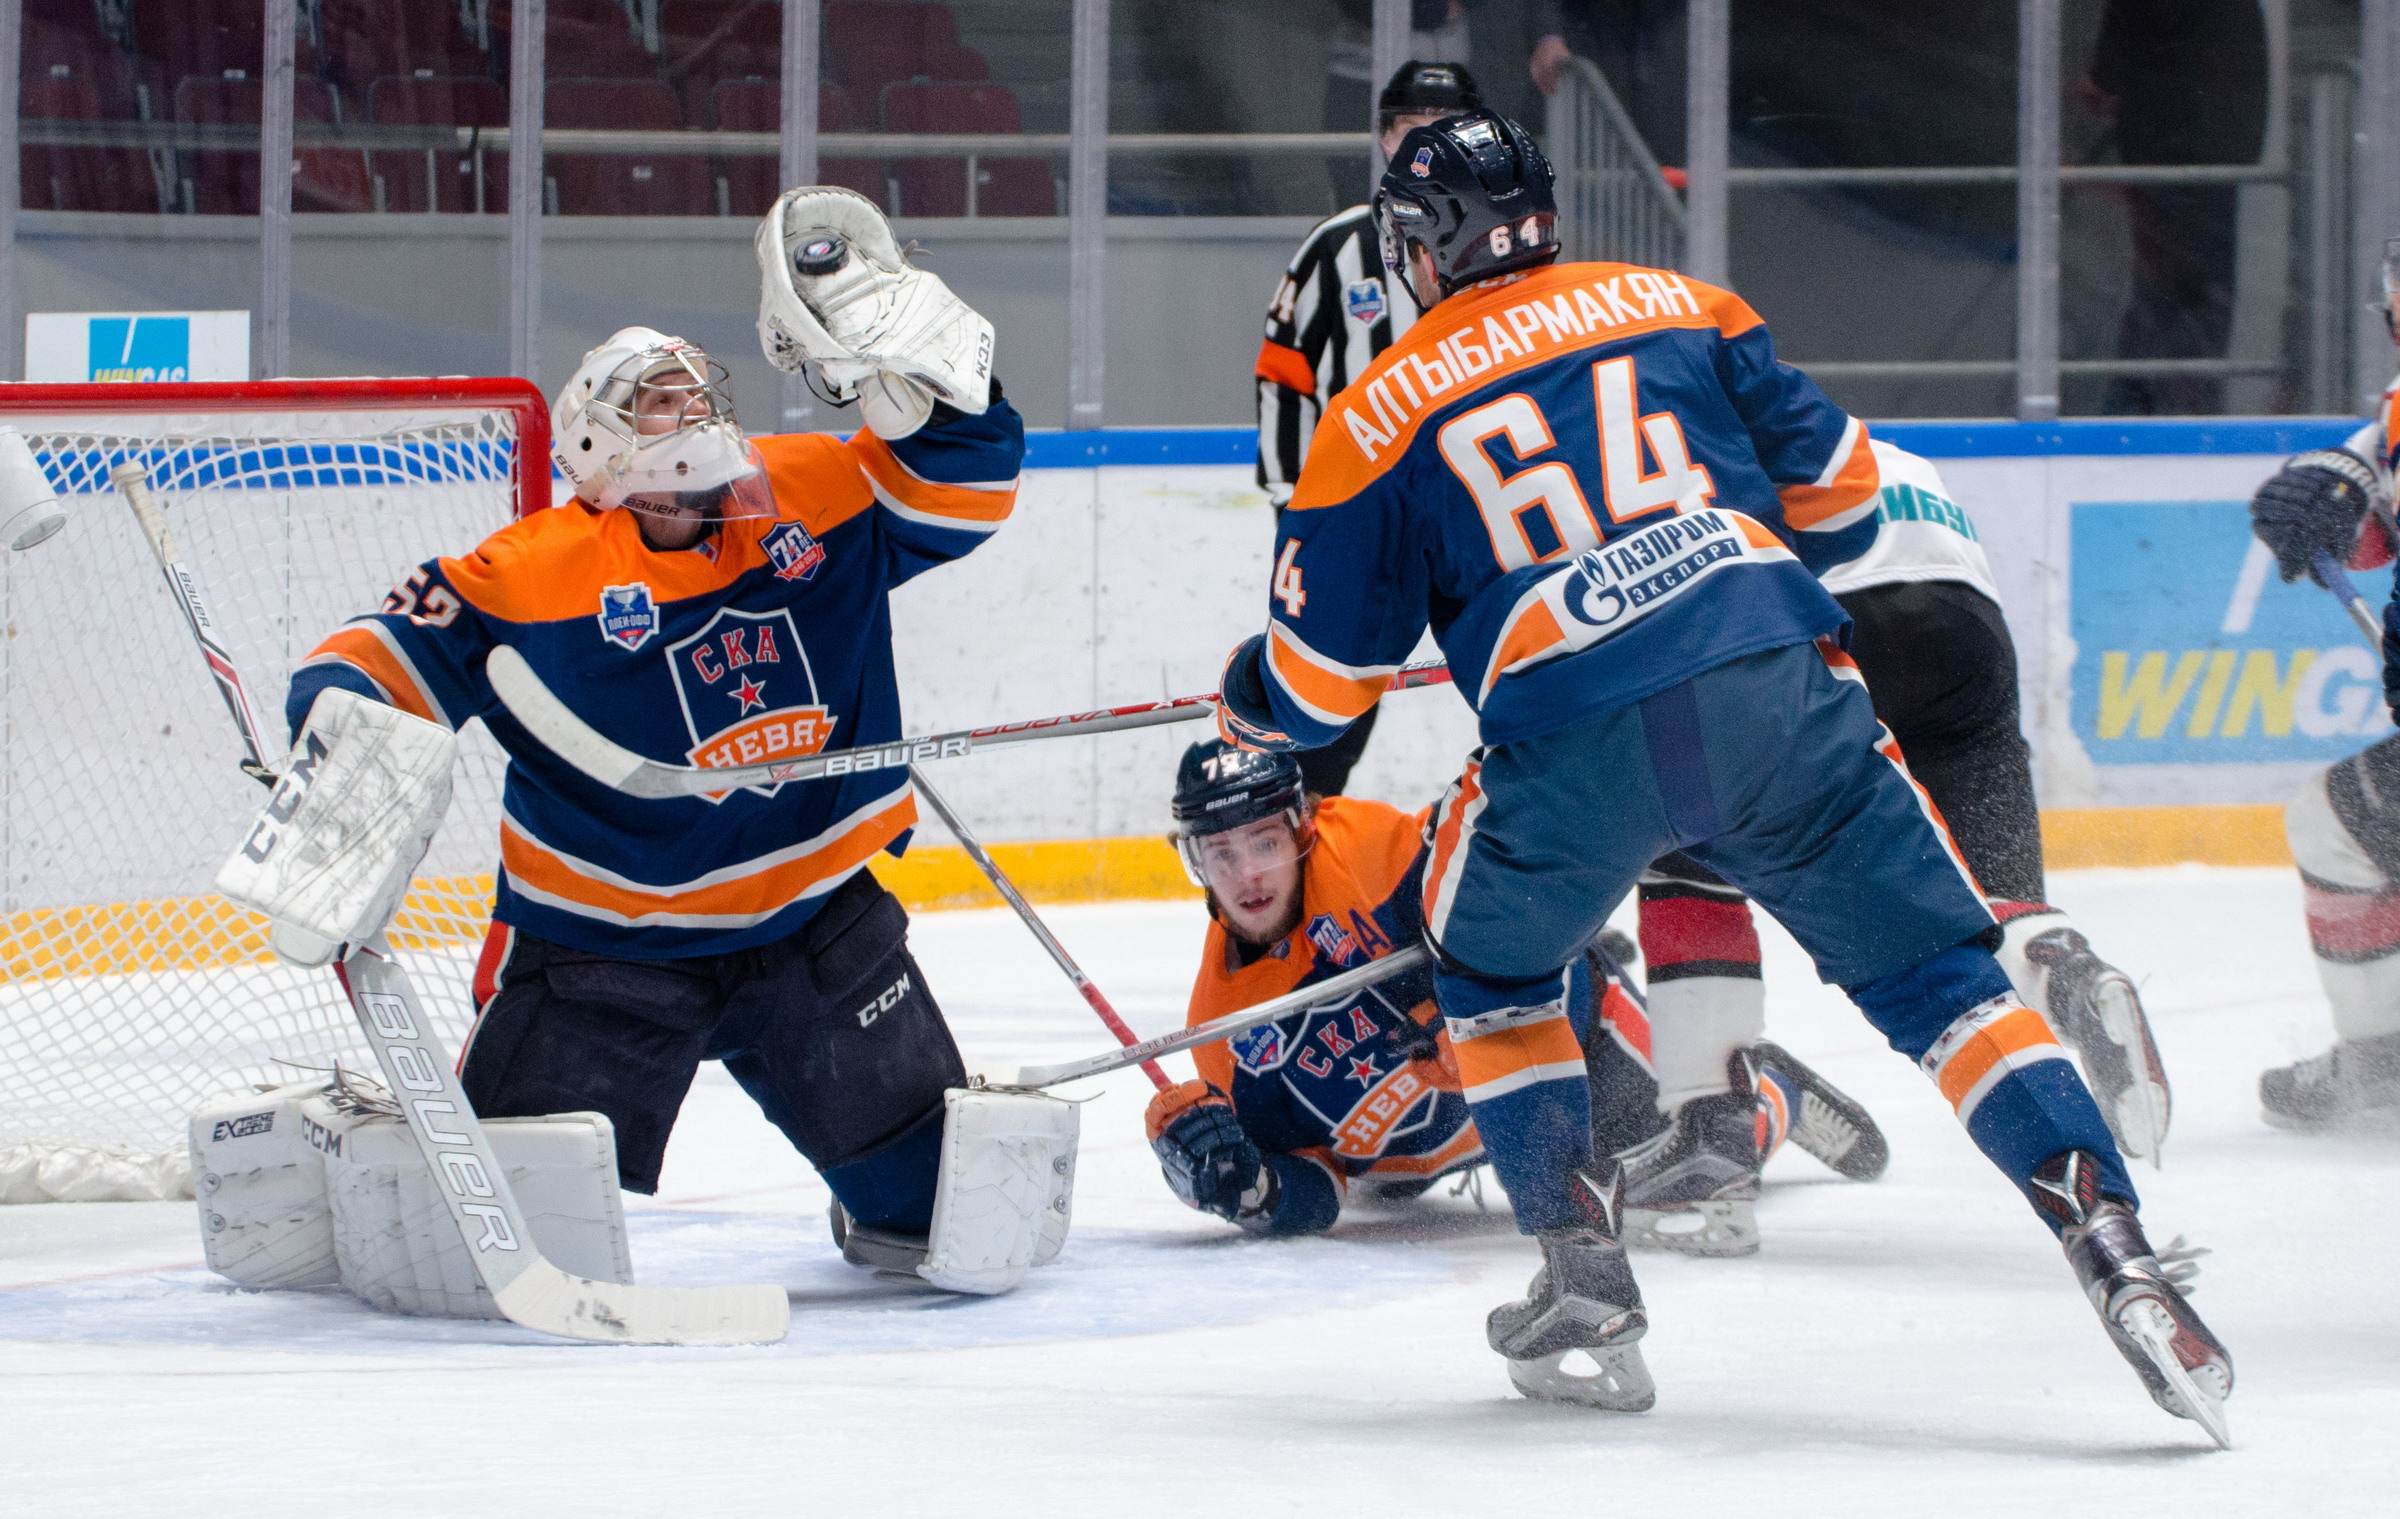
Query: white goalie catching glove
(329, 858)
(839, 301)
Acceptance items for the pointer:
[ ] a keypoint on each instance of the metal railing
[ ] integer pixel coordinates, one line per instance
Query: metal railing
(1614, 201)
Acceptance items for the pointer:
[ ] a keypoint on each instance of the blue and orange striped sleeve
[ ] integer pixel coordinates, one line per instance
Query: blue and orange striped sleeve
(1815, 453)
(944, 488)
(421, 652)
(1346, 607)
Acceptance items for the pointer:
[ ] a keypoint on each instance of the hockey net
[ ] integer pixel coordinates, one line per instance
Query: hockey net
(129, 992)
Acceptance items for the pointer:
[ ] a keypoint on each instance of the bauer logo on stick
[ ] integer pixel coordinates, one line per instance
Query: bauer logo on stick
(628, 617)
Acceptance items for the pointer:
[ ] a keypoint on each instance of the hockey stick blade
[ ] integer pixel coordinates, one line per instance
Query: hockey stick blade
(2334, 578)
(534, 705)
(1332, 989)
(529, 1289)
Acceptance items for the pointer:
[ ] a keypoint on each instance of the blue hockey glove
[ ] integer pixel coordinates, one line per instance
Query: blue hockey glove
(1245, 718)
(2317, 501)
(1209, 1162)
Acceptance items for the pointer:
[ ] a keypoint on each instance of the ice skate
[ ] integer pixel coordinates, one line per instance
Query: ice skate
(2093, 1007)
(1826, 1121)
(2358, 1079)
(1573, 1337)
(1693, 1187)
(2139, 1298)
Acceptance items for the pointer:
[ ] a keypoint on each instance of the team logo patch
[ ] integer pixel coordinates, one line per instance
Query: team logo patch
(748, 694)
(1332, 940)
(628, 617)
(796, 555)
(1260, 1049)
(1364, 299)
(1421, 165)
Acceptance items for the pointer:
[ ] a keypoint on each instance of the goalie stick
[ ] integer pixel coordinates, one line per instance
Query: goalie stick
(528, 1289)
(1025, 913)
(555, 724)
(1332, 989)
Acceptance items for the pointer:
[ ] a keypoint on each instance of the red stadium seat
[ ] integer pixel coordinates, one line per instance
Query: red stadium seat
(872, 43)
(583, 39)
(78, 179)
(938, 186)
(222, 182)
(756, 105)
(439, 179)
(202, 37)
(623, 184)
(367, 40)
(54, 53)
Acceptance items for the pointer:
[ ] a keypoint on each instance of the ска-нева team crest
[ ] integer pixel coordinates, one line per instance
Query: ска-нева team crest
(748, 694)
(628, 617)
(794, 551)
(1364, 301)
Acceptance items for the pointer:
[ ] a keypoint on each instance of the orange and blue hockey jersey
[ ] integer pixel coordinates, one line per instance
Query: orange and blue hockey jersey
(1593, 481)
(772, 637)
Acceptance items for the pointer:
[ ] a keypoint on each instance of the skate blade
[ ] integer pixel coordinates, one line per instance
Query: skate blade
(1611, 1377)
(1718, 1229)
(2141, 1122)
(2142, 1109)
(2153, 1330)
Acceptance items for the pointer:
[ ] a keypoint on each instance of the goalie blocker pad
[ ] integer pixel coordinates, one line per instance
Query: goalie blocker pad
(329, 857)
(1006, 1192)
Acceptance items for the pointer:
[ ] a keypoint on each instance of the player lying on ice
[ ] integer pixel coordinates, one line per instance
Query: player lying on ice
(1287, 1118)
(1606, 497)
(714, 599)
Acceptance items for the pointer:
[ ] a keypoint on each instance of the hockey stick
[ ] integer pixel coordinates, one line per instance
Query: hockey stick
(527, 1288)
(2334, 578)
(1333, 989)
(133, 483)
(537, 707)
(1041, 931)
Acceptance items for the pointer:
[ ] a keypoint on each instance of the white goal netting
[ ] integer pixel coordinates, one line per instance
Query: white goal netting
(129, 992)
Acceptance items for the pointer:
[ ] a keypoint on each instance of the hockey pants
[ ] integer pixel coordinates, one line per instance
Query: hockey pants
(1772, 771)
(831, 1031)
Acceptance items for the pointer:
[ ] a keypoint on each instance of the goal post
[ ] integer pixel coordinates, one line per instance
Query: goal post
(130, 993)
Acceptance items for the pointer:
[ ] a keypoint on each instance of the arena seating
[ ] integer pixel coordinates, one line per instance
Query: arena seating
(439, 179)
(756, 105)
(623, 184)
(938, 186)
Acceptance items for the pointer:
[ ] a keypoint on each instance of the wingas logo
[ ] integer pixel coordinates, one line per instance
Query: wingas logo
(628, 617)
(748, 694)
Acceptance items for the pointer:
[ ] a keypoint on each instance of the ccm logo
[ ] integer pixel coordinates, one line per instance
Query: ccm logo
(885, 1003)
(288, 793)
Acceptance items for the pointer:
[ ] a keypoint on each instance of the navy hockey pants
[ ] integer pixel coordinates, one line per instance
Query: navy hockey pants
(831, 1031)
(1772, 771)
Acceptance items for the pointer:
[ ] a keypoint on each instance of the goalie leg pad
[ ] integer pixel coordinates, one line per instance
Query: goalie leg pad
(1007, 1189)
(329, 857)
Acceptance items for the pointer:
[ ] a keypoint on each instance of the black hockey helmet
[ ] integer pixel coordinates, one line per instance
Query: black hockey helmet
(1418, 89)
(1474, 192)
(1219, 788)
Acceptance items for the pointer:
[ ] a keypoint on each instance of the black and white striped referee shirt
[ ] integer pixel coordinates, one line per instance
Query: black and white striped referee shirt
(1337, 308)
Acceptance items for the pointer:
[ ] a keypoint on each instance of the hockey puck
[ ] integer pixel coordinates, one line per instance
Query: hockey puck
(821, 255)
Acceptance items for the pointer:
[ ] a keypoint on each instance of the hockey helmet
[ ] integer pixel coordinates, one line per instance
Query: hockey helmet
(1474, 192)
(1426, 89)
(646, 422)
(1220, 794)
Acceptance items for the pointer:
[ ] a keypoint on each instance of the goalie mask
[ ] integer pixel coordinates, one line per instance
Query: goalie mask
(1238, 815)
(646, 423)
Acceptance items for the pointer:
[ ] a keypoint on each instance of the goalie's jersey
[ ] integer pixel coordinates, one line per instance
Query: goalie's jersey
(772, 638)
(1592, 481)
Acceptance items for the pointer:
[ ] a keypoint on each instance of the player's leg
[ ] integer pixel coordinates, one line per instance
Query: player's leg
(2344, 828)
(1942, 672)
(563, 1030)
(837, 1038)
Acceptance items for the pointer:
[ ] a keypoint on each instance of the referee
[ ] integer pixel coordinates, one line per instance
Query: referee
(1337, 308)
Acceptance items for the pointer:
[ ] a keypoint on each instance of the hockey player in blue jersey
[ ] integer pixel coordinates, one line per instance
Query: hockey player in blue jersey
(708, 599)
(1605, 496)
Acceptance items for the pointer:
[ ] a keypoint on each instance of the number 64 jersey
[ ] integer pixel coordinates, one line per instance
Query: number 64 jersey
(1594, 481)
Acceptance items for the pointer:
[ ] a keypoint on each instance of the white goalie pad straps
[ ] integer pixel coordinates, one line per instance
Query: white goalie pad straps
(1005, 1197)
(329, 858)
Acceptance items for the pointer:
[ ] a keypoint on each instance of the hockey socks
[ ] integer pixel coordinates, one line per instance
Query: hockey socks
(1701, 968)
(1521, 1068)
(1996, 1062)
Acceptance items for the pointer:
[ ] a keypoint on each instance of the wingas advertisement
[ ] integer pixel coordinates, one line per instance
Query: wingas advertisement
(2189, 649)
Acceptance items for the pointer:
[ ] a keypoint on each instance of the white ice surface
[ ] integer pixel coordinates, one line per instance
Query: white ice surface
(1912, 1347)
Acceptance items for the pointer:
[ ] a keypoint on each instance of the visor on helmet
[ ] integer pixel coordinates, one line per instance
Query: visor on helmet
(1231, 858)
(706, 470)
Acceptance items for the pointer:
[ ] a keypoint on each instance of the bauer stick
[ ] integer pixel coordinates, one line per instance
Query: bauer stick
(2334, 578)
(1025, 913)
(1332, 989)
(552, 721)
(133, 483)
(528, 1288)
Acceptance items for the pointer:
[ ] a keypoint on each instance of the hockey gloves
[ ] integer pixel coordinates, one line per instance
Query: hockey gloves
(1245, 718)
(2316, 502)
(1209, 1162)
